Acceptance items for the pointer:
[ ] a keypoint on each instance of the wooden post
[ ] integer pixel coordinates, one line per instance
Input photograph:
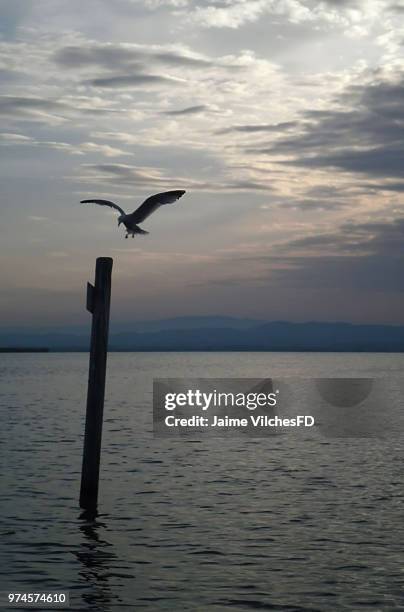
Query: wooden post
(98, 302)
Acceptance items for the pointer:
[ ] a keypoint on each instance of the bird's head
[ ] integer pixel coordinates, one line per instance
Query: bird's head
(120, 220)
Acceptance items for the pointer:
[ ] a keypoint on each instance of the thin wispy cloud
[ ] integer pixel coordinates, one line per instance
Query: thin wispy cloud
(189, 110)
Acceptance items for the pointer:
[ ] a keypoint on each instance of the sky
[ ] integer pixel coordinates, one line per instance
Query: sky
(282, 119)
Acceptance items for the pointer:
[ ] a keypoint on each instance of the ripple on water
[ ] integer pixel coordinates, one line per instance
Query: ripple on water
(189, 524)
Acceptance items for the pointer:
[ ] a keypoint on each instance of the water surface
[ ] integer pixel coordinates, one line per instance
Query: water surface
(281, 523)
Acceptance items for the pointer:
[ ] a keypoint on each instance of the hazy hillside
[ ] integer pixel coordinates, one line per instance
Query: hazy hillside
(222, 334)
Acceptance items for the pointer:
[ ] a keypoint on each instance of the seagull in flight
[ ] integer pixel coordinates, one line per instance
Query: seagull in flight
(151, 204)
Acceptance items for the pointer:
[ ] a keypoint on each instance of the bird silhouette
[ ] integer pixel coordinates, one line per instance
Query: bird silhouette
(151, 204)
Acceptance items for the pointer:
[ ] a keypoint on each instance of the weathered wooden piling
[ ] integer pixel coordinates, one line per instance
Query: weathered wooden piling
(98, 303)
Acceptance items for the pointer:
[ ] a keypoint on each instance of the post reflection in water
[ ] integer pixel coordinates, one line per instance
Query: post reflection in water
(96, 557)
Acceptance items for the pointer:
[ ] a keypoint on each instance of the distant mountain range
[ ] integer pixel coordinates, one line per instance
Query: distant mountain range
(217, 334)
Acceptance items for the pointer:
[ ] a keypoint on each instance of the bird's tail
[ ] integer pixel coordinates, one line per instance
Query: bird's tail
(139, 230)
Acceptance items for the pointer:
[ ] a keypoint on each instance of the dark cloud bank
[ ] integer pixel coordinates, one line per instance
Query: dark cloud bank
(368, 138)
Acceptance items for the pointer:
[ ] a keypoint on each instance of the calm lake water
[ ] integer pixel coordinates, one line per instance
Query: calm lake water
(281, 523)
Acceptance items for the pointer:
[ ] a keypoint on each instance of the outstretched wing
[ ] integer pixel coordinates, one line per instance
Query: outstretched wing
(154, 202)
(104, 203)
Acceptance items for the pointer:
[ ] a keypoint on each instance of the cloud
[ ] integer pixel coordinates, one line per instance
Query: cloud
(366, 136)
(382, 161)
(132, 80)
(309, 204)
(48, 110)
(107, 150)
(105, 56)
(151, 177)
(229, 16)
(396, 8)
(190, 110)
(353, 257)
(38, 219)
(31, 107)
(254, 128)
(121, 56)
(355, 18)
(112, 65)
(122, 137)
(385, 186)
(7, 139)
